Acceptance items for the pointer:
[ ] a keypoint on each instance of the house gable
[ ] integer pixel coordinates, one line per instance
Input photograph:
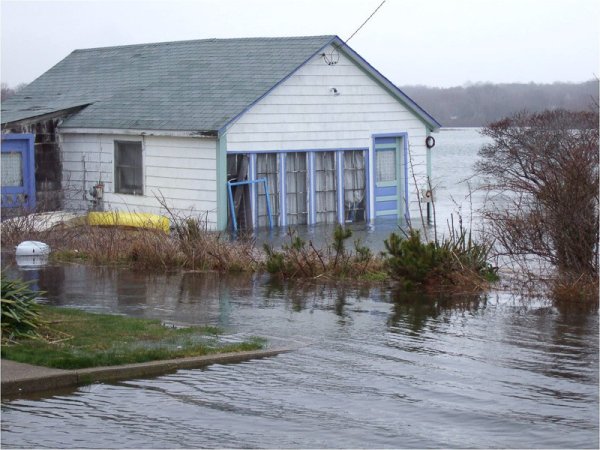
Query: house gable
(324, 106)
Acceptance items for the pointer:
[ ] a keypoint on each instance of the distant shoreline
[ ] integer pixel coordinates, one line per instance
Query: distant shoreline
(477, 105)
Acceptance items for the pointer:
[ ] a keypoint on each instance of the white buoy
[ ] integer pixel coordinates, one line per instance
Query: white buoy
(32, 248)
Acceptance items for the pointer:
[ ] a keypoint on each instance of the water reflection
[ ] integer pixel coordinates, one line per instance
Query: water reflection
(370, 362)
(415, 309)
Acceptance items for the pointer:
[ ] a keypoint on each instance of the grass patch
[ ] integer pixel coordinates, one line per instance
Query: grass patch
(73, 339)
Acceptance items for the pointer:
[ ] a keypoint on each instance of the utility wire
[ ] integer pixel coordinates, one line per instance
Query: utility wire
(364, 23)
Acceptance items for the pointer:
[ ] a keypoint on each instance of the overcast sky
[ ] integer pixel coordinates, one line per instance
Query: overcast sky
(430, 42)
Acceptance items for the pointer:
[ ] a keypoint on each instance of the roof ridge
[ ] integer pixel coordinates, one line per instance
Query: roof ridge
(189, 41)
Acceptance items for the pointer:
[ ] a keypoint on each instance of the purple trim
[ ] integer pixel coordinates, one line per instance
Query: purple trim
(340, 186)
(300, 150)
(404, 136)
(253, 190)
(25, 144)
(406, 202)
(386, 140)
(282, 192)
(387, 205)
(367, 187)
(312, 201)
(385, 191)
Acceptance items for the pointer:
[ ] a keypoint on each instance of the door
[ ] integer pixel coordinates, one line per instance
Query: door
(389, 176)
(18, 171)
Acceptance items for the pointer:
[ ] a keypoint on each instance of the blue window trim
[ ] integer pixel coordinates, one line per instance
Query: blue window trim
(253, 190)
(251, 183)
(282, 191)
(367, 186)
(312, 204)
(299, 150)
(29, 170)
(339, 167)
(404, 136)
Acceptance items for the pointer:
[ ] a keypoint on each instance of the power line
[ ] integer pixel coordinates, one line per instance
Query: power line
(363, 24)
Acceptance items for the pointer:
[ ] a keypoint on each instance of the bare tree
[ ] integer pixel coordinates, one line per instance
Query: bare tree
(544, 167)
(8, 92)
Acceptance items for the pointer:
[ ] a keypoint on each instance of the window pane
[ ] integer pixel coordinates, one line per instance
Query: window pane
(296, 189)
(325, 187)
(354, 185)
(128, 168)
(12, 169)
(237, 170)
(386, 165)
(266, 167)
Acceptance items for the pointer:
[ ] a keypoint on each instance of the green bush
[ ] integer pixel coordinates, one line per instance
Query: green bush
(20, 315)
(455, 260)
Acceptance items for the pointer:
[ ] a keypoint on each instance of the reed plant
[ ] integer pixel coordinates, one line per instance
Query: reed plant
(301, 259)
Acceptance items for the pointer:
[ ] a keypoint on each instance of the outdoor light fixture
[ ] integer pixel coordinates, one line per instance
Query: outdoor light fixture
(334, 91)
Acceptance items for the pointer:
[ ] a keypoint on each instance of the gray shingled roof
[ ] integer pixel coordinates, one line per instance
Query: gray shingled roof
(193, 86)
(182, 86)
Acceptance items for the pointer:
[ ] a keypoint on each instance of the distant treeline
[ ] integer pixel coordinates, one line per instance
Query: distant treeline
(477, 105)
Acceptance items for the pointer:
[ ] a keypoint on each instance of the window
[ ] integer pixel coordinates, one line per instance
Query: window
(354, 185)
(326, 187)
(267, 167)
(237, 170)
(386, 165)
(128, 168)
(296, 189)
(12, 169)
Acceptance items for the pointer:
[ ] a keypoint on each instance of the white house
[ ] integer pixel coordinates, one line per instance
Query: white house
(305, 117)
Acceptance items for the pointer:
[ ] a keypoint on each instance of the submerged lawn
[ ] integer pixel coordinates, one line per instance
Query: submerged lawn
(74, 339)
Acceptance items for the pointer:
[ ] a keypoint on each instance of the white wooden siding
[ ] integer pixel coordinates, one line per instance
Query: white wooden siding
(182, 170)
(302, 113)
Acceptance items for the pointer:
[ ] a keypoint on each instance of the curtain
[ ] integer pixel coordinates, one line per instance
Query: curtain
(354, 185)
(325, 187)
(296, 188)
(266, 167)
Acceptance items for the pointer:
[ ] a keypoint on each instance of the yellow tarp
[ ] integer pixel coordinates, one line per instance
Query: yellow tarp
(128, 219)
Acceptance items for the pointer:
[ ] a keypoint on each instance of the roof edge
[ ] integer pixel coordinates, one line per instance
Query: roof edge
(292, 72)
(57, 113)
(427, 118)
(209, 134)
(413, 106)
(187, 41)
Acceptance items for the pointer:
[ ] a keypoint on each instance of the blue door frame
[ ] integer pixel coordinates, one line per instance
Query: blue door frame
(390, 180)
(18, 171)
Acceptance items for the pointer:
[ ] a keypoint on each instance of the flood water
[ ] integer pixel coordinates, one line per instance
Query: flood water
(372, 367)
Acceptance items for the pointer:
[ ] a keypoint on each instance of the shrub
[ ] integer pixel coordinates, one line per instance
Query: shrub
(20, 315)
(547, 163)
(457, 260)
(299, 259)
